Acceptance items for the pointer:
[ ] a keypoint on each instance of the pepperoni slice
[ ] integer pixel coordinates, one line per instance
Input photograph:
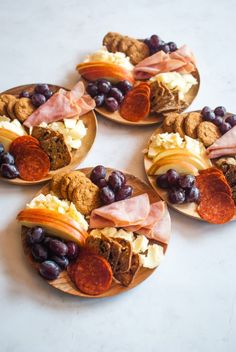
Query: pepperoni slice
(93, 274)
(210, 183)
(136, 105)
(218, 209)
(19, 142)
(33, 164)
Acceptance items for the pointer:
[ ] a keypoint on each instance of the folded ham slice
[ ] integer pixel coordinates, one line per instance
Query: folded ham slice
(132, 211)
(225, 145)
(157, 225)
(181, 60)
(62, 105)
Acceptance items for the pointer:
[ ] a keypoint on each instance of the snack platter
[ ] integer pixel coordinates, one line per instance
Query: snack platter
(63, 281)
(135, 81)
(71, 145)
(190, 164)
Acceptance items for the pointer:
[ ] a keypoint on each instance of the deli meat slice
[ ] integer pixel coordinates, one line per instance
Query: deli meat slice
(181, 60)
(62, 105)
(225, 145)
(132, 211)
(157, 226)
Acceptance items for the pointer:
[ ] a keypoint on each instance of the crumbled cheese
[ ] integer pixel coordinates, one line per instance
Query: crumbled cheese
(117, 58)
(52, 202)
(12, 125)
(153, 257)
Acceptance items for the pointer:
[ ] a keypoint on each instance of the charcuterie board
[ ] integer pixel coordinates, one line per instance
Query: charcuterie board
(63, 281)
(77, 155)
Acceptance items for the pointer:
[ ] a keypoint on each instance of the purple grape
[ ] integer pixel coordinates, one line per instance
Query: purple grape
(99, 100)
(41, 88)
(92, 89)
(49, 270)
(186, 181)
(220, 111)
(225, 127)
(172, 46)
(124, 192)
(46, 241)
(58, 247)
(114, 181)
(24, 94)
(97, 173)
(9, 171)
(38, 99)
(48, 94)
(7, 158)
(231, 120)
(112, 104)
(209, 116)
(205, 110)
(155, 41)
(39, 252)
(172, 177)
(107, 195)
(165, 48)
(162, 181)
(1, 148)
(35, 235)
(176, 196)
(117, 94)
(101, 183)
(104, 86)
(124, 86)
(73, 250)
(218, 120)
(121, 175)
(63, 262)
(192, 195)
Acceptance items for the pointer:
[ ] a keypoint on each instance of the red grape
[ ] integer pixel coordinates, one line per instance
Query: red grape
(124, 86)
(92, 89)
(101, 183)
(165, 48)
(117, 94)
(172, 46)
(48, 94)
(162, 181)
(120, 175)
(49, 270)
(193, 194)
(7, 158)
(218, 120)
(39, 252)
(107, 195)
(104, 86)
(24, 94)
(99, 100)
(111, 104)
(63, 262)
(186, 181)
(73, 250)
(124, 192)
(35, 235)
(205, 110)
(172, 177)
(97, 173)
(38, 99)
(220, 111)
(225, 127)
(58, 247)
(176, 196)
(209, 116)
(231, 120)
(41, 88)
(114, 181)
(9, 171)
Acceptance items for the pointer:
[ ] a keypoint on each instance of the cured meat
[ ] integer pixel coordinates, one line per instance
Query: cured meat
(181, 60)
(62, 105)
(132, 211)
(225, 145)
(92, 274)
(22, 141)
(218, 209)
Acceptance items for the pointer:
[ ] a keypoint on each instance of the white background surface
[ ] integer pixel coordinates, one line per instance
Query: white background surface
(189, 304)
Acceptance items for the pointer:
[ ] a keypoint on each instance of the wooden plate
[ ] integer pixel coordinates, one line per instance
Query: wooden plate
(153, 118)
(78, 155)
(64, 283)
(188, 209)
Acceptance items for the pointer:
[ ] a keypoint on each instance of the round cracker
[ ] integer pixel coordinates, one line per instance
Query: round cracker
(78, 179)
(208, 133)
(10, 106)
(191, 124)
(86, 198)
(168, 123)
(179, 125)
(24, 108)
(66, 179)
(55, 185)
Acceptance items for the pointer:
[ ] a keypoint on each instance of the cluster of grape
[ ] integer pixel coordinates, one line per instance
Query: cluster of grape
(155, 44)
(7, 164)
(53, 254)
(104, 93)
(114, 188)
(40, 95)
(218, 118)
(181, 188)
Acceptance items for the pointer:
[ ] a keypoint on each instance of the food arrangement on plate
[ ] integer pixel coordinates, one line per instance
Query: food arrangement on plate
(135, 81)
(190, 161)
(43, 129)
(95, 232)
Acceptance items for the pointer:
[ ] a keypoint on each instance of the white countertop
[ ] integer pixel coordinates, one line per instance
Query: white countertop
(189, 303)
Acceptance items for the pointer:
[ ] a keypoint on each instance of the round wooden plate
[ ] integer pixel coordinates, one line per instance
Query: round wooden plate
(63, 282)
(78, 155)
(153, 118)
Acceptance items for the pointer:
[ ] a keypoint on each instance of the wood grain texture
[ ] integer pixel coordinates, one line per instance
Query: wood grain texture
(153, 118)
(78, 155)
(63, 282)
